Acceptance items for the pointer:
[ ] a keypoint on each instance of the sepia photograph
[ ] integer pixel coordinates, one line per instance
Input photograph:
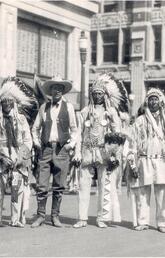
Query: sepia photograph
(82, 128)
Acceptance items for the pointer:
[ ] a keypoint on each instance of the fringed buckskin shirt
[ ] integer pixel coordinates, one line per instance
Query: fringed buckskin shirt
(92, 135)
(23, 137)
(148, 145)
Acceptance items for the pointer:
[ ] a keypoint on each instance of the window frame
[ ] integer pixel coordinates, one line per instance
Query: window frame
(93, 47)
(157, 4)
(112, 44)
(113, 5)
(125, 43)
(157, 43)
(37, 65)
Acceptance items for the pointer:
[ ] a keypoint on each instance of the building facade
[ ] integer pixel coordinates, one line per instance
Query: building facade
(127, 39)
(43, 37)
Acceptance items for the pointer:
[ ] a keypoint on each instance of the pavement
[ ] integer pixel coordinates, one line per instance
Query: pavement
(118, 240)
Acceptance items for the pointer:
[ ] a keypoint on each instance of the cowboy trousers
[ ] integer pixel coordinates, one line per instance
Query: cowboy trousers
(55, 161)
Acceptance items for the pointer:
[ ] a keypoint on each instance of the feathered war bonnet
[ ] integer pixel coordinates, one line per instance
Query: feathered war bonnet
(158, 93)
(152, 92)
(115, 93)
(115, 97)
(155, 92)
(23, 96)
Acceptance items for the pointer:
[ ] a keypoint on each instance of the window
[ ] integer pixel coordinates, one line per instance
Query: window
(157, 42)
(93, 47)
(41, 49)
(108, 8)
(110, 46)
(126, 46)
(128, 5)
(157, 3)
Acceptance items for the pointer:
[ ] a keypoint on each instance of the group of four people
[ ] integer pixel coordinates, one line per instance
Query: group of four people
(100, 138)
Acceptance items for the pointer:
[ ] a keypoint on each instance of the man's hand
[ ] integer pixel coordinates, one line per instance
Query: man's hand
(131, 160)
(76, 160)
(77, 157)
(68, 147)
(132, 163)
(7, 161)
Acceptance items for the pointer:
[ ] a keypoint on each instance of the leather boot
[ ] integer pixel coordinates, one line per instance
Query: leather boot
(56, 222)
(38, 222)
(56, 202)
(40, 212)
(41, 200)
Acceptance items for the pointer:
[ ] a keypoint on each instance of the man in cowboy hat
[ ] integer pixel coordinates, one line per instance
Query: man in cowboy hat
(54, 134)
(146, 159)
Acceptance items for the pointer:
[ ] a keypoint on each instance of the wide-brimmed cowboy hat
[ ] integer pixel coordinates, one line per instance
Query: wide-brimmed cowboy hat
(55, 83)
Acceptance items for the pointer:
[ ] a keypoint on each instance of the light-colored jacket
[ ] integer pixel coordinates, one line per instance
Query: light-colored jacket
(24, 137)
(148, 150)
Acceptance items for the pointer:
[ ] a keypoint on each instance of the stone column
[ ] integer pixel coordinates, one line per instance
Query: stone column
(101, 6)
(120, 52)
(137, 69)
(99, 50)
(74, 66)
(149, 44)
(8, 40)
(137, 83)
(121, 6)
(73, 58)
(87, 33)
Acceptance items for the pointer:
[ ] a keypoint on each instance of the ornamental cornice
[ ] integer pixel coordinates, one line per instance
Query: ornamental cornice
(121, 72)
(122, 19)
(155, 71)
(157, 16)
(104, 21)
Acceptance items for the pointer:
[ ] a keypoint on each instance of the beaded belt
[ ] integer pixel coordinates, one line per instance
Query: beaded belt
(156, 156)
(89, 145)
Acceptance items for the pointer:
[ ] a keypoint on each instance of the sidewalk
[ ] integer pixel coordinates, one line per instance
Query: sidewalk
(115, 241)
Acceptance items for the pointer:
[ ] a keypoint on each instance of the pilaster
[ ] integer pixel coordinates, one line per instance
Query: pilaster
(149, 44)
(99, 48)
(74, 66)
(120, 52)
(137, 69)
(102, 6)
(8, 42)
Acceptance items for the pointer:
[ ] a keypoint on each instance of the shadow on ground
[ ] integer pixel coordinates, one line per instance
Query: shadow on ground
(71, 221)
